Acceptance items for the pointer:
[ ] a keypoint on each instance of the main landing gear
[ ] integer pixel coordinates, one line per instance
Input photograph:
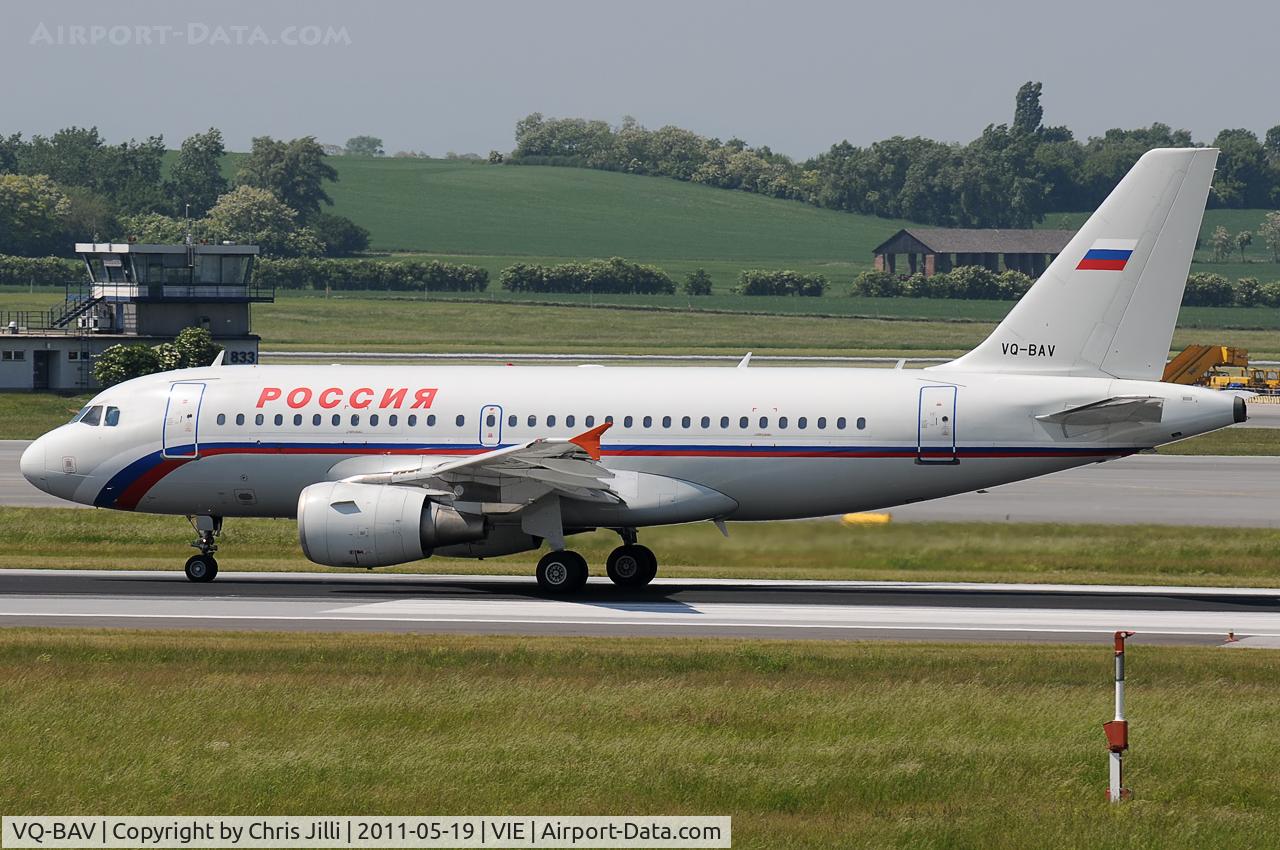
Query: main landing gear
(630, 565)
(204, 567)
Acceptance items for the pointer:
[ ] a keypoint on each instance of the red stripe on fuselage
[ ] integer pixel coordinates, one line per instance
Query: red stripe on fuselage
(129, 498)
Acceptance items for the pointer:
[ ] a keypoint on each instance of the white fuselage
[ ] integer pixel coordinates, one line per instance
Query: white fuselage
(778, 443)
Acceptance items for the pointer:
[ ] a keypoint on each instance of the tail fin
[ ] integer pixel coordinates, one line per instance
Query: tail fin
(1107, 305)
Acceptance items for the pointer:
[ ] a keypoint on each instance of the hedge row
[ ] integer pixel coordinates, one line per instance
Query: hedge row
(409, 276)
(1208, 289)
(965, 282)
(609, 277)
(40, 270)
(770, 282)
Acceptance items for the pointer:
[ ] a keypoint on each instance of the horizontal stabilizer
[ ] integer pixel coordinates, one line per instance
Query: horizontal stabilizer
(1109, 412)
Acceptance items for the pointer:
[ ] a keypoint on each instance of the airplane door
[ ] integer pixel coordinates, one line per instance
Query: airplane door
(182, 420)
(491, 426)
(936, 433)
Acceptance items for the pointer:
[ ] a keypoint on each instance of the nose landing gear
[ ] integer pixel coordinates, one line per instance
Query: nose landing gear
(204, 567)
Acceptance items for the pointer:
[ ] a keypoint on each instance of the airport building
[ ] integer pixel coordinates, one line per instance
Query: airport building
(132, 293)
(932, 250)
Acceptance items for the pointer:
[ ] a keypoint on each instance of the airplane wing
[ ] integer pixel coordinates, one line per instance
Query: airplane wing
(567, 467)
(1110, 411)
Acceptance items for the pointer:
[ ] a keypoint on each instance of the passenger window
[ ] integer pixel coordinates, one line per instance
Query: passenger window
(609, 419)
(392, 420)
(685, 422)
(431, 420)
(112, 419)
(412, 420)
(533, 421)
(764, 421)
(724, 421)
(373, 420)
(489, 420)
(569, 420)
(92, 415)
(802, 423)
(706, 422)
(862, 422)
(822, 423)
(336, 420)
(551, 421)
(648, 422)
(840, 423)
(511, 420)
(666, 422)
(460, 420)
(316, 420)
(239, 418)
(258, 420)
(222, 419)
(297, 419)
(626, 421)
(589, 422)
(279, 419)
(743, 422)
(355, 419)
(782, 421)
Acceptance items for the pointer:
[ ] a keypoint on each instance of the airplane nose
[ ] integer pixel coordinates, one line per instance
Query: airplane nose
(32, 463)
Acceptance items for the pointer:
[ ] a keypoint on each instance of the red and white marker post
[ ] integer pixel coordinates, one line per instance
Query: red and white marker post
(1118, 729)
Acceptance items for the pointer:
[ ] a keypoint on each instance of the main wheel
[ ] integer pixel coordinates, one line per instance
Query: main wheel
(632, 566)
(201, 568)
(562, 572)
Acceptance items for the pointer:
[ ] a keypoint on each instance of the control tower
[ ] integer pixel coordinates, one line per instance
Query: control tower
(133, 293)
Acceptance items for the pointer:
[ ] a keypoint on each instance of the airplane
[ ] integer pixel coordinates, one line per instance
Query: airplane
(385, 465)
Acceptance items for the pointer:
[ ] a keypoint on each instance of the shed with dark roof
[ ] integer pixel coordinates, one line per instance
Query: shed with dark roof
(935, 249)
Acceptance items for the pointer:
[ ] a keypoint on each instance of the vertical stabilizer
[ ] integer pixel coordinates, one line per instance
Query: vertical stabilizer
(1107, 305)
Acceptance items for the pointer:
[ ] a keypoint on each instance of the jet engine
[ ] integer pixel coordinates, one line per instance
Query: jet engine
(341, 524)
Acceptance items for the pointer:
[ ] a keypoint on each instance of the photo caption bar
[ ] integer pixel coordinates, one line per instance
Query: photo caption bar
(359, 831)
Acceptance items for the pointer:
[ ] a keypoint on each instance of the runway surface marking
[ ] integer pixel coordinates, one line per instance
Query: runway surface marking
(968, 611)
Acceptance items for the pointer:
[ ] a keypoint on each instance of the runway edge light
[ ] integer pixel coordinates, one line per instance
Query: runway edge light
(1118, 729)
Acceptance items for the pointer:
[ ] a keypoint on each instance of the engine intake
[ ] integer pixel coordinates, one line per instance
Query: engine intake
(375, 525)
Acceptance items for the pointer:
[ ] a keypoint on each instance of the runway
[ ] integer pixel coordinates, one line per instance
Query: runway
(670, 607)
(1157, 489)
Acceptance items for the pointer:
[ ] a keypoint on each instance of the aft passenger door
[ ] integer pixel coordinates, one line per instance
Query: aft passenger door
(182, 420)
(936, 432)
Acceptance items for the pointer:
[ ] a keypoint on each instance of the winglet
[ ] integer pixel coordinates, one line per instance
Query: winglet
(589, 441)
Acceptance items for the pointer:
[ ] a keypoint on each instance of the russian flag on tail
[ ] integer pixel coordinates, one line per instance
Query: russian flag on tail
(1108, 255)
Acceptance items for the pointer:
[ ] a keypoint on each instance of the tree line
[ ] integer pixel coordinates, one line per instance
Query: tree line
(74, 186)
(1010, 176)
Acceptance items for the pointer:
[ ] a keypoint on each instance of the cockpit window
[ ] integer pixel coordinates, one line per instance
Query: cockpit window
(112, 418)
(91, 415)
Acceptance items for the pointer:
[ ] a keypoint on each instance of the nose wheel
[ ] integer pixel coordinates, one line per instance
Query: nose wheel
(204, 567)
(201, 568)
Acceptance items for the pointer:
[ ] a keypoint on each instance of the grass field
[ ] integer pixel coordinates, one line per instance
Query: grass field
(803, 744)
(1230, 441)
(818, 549)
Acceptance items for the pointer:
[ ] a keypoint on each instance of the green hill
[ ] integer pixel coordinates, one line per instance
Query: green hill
(451, 207)
(493, 216)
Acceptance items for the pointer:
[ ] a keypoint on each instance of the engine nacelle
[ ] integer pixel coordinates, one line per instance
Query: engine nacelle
(375, 525)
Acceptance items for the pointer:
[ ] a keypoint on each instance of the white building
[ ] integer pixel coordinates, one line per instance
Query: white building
(132, 293)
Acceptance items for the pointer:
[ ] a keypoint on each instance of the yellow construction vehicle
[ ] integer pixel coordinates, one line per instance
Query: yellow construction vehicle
(1196, 363)
(1249, 378)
